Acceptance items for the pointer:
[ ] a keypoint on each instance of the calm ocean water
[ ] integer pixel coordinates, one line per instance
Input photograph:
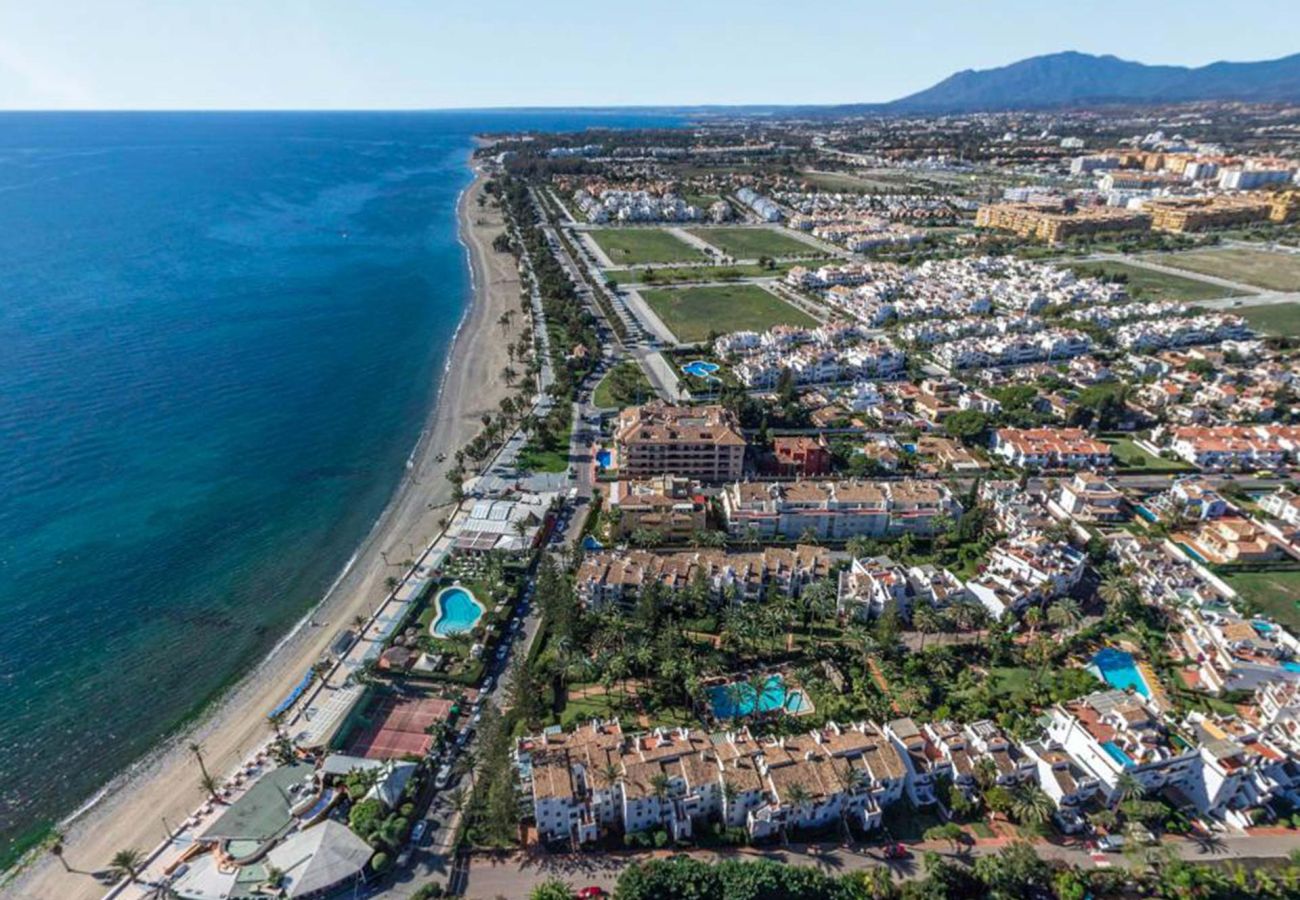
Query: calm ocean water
(218, 334)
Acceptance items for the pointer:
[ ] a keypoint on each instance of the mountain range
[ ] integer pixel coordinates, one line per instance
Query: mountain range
(1081, 79)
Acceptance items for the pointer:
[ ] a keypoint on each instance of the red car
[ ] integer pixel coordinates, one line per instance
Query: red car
(591, 892)
(897, 851)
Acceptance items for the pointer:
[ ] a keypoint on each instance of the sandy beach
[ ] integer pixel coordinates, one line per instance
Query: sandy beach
(164, 787)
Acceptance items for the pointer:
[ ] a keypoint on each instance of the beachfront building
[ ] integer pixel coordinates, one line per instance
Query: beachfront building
(619, 576)
(279, 822)
(836, 510)
(701, 442)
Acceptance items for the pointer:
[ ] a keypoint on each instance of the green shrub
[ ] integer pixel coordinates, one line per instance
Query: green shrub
(379, 862)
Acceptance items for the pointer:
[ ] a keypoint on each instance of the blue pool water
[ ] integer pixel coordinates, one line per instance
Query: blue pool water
(1264, 628)
(1192, 553)
(458, 611)
(700, 368)
(603, 458)
(1145, 513)
(1291, 666)
(730, 701)
(1116, 668)
(1115, 752)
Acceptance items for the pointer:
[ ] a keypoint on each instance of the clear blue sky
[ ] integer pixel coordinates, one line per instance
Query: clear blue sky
(274, 54)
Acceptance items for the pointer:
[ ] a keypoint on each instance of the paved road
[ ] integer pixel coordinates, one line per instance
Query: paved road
(515, 877)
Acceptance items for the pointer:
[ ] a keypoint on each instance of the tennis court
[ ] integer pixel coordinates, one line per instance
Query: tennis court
(397, 726)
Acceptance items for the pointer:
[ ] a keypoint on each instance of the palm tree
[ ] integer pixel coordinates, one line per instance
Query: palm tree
(127, 864)
(197, 749)
(211, 786)
(925, 620)
(613, 774)
(1033, 618)
(659, 787)
(1126, 788)
(458, 800)
(729, 795)
(56, 849)
(1064, 613)
(1031, 805)
(796, 796)
(985, 772)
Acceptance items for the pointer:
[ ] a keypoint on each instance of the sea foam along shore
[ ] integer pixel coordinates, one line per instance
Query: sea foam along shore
(163, 788)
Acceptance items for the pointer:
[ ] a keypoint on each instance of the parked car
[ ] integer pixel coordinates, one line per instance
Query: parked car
(592, 892)
(896, 851)
(444, 775)
(417, 833)
(1110, 843)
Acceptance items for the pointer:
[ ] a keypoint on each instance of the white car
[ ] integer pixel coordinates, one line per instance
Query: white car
(443, 776)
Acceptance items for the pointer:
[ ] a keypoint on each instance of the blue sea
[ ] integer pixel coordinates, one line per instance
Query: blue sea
(218, 337)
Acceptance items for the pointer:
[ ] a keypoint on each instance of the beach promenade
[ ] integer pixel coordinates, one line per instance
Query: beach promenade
(140, 807)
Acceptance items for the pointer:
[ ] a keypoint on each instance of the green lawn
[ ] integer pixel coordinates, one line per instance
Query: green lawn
(1275, 594)
(535, 458)
(688, 274)
(1282, 319)
(1131, 456)
(624, 385)
(693, 312)
(1273, 271)
(638, 246)
(1146, 284)
(751, 243)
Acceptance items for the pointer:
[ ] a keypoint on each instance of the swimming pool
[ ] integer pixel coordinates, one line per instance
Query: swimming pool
(1192, 553)
(731, 701)
(1115, 752)
(603, 458)
(1117, 668)
(1145, 513)
(700, 368)
(458, 612)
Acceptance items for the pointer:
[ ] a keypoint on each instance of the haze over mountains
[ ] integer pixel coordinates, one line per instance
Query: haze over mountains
(1073, 79)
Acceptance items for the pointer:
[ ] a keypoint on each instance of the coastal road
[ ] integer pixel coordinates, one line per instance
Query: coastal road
(516, 875)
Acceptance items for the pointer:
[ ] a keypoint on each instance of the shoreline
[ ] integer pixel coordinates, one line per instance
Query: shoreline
(130, 810)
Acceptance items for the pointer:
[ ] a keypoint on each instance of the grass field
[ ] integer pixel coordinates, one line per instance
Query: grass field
(1275, 594)
(1282, 319)
(638, 246)
(1130, 455)
(692, 312)
(751, 243)
(623, 385)
(1274, 271)
(687, 274)
(1145, 284)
